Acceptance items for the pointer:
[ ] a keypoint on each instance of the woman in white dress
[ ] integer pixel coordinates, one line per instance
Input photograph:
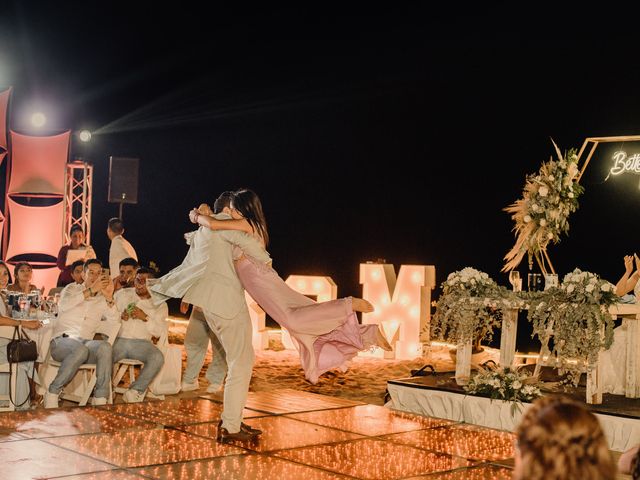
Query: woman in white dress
(614, 360)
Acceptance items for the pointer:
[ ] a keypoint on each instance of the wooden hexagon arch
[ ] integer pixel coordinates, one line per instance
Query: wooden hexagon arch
(593, 142)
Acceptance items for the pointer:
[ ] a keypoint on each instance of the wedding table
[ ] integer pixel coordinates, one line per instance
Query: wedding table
(630, 313)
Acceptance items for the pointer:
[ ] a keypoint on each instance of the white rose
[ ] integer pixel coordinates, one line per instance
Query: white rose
(606, 287)
(535, 207)
(543, 222)
(589, 288)
(571, 288)
(550, 236)
(570, 195)
(526, 219)
(543, 191)
(516, 384)
(551, 178)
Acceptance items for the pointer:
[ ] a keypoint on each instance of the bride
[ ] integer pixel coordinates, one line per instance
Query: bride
(614, 360)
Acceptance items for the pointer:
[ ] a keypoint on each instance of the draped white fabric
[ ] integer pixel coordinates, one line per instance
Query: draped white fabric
(622, 433)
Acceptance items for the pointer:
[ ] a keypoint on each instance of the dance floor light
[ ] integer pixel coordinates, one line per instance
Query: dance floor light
(175, 439)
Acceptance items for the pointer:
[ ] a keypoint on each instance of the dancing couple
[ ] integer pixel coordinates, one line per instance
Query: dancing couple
(227, 256)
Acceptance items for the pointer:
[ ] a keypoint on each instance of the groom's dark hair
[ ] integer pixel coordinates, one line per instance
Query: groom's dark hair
(223, 200)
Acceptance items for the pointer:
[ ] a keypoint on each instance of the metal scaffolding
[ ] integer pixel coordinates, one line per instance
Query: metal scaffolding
(77, 198)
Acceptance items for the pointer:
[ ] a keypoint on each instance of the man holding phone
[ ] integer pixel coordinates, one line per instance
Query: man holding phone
(81, 308)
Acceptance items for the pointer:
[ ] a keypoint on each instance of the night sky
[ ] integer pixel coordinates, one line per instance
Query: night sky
(398, 133)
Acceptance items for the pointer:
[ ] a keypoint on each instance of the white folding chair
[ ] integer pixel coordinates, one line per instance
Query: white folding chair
(128, 365)
(12, 372)
(80, 387)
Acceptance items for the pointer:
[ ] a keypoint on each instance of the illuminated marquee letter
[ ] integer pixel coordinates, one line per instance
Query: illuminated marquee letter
(260, 338)
(323, 288)
(402, 305)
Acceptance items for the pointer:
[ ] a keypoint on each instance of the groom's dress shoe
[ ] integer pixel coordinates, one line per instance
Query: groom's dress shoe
(225, 437)
(245, 428)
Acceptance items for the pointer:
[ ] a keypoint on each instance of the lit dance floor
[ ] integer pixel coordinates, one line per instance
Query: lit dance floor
(306, 436)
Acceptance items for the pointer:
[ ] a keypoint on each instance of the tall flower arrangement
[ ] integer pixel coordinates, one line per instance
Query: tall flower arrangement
(467, 309)
(541, 215)
(576, 316)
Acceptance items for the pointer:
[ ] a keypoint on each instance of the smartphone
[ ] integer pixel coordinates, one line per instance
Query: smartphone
(107, 272)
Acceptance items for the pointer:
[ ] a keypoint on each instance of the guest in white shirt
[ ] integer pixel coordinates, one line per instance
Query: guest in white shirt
(141, 321)
(120, 248)
(81, 309)
(127, 271)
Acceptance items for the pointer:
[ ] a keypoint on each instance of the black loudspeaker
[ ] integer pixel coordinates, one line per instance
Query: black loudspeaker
(123, 180)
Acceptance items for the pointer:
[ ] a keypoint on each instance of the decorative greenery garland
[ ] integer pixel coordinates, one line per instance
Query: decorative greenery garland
(574, 315)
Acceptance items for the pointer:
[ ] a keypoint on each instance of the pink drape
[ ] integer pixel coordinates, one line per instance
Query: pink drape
(34, 229)
(38, 163)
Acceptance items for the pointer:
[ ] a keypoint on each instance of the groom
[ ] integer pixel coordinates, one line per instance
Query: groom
(220, 295)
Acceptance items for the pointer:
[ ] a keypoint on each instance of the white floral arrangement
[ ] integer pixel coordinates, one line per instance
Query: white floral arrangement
(469, 307)
(504, 383)
(541, 215)
(588, 287)
(470, 280)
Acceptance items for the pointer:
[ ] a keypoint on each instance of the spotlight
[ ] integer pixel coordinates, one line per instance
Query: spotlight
(38, 119)
(85, 136)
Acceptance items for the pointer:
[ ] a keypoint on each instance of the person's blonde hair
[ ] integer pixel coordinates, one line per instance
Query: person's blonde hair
(558, 439)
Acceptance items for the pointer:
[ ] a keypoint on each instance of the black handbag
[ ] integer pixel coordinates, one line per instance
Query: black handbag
(21, 348)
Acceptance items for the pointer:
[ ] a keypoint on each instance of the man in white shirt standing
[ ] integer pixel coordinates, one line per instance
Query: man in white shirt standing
(81, 308)
(120, 248)
(141, 320)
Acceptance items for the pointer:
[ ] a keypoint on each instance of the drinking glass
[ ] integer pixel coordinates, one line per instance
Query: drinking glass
(23, 305)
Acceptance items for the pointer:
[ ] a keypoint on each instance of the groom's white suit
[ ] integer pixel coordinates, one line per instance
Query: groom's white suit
(220, 295)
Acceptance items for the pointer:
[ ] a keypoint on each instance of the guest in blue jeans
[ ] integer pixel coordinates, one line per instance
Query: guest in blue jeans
(141, 322)
(81, 308)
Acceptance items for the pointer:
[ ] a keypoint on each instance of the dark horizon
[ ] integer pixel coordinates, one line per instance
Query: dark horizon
(397, 134)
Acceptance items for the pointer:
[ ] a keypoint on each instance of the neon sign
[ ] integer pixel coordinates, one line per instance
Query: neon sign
(624, 164)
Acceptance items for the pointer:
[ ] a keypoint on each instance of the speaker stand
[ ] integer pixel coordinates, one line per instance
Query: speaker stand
(120, 210)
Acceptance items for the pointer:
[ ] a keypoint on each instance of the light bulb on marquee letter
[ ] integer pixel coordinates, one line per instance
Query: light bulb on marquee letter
(402, 305)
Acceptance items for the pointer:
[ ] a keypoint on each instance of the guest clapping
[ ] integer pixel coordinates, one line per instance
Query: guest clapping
(559, 439)
(629, 279)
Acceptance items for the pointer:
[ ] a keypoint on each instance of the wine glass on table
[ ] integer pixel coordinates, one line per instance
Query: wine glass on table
(514, 279)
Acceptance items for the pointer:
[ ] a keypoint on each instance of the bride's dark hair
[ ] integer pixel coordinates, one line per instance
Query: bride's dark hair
(249, 205)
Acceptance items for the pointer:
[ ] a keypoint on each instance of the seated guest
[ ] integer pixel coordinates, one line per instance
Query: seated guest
(5, 275)
(77, 270)
(23, 273)
(25, 370)
(76, 236)
(127, 271)
(141, 320)
(559, 439)
(629, 463)
(80, 310)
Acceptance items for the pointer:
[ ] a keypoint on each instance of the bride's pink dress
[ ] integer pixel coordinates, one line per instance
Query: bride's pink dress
(327, 334)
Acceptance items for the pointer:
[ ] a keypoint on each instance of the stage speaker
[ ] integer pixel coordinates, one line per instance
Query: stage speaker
(123, 180)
